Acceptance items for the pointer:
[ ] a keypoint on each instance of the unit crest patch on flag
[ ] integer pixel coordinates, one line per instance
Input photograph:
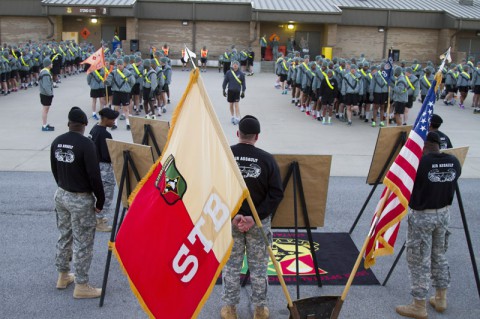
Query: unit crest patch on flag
(170, 182)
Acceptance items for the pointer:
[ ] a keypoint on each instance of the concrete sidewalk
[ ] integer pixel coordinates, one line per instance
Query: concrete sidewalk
(27, 219)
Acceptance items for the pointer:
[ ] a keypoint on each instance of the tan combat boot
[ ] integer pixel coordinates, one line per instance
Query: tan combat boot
(228, 312)
(64, 279)
(85, 291)
(102, 225)
(261, 313)
(439, 301)
(417, 309)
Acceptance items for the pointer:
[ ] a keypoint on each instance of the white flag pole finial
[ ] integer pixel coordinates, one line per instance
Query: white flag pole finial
(191, 56)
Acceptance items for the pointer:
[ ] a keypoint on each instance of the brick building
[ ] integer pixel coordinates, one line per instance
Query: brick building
(417, 29)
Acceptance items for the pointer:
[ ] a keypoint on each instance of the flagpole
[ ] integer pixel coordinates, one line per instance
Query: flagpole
(187, 51)
(272, 257)
(360, 256)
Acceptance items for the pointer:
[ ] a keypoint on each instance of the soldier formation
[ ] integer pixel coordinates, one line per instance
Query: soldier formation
(357, 87)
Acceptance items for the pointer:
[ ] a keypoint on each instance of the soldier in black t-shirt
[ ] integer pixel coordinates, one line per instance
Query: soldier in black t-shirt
(99, 135)
(435, 123)
(262, 177)
(427, 238)
(79, 196)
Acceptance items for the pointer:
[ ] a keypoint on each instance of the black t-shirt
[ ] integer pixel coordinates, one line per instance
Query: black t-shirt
(444, 140)
(435, 182)
(74, 164)
(262, 177)
(99, 134)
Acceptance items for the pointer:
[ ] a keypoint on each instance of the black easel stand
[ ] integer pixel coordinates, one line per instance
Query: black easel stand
(294, 170)
(125, 179)
(401, 140)
(469, 244)
(148, 134)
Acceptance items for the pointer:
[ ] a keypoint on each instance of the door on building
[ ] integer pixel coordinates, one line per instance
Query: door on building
(312, 39)
(108, 31)
(471, 46)
(69, 36)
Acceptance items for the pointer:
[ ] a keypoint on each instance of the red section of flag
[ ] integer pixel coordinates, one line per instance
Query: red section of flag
(152, 225)
(96, 61)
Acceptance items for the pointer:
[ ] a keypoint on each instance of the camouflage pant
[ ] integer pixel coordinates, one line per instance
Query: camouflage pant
(427, 243)
(252, 243)
(108, 179)
(76, 224)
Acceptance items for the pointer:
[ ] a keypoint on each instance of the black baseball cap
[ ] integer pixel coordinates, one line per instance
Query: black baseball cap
(249, 124)
(77, 115)
(436, 119)
(433, 137)
(108, 113)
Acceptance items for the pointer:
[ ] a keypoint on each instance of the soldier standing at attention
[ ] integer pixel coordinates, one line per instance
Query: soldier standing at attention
(99, 136)
(122, 82)
(96, 81)
(78, 198)
(235, 81)
(428, 220)
(263, 46)
(265, 186)
(45, 81)
(203, 59)
(150, 86)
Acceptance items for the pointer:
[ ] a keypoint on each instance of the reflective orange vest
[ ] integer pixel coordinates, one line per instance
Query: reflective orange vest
(204, 53)
(165, 51)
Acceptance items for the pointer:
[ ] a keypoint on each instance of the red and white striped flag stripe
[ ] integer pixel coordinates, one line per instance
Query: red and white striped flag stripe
(398, 182)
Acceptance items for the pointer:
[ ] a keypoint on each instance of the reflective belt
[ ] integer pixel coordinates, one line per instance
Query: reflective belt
(328, 82)
(263, 40)
(136, 70)
(410, 83)
(308, 69)
(383, 79)
(284, 65)
(23, 61)
(14, 55)
(107, 71)
(122, 75)
(156, 61)
(71, 53)
(226, 55)
(45, 69)
(99, 76)
(426, 80)
(146, 76)
(466, 74)
(236, 78)
(363, 72)
(55, 56)
(415, 68)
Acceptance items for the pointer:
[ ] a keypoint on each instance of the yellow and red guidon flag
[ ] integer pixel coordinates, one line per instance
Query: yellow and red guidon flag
(177, 237)
(96, 61)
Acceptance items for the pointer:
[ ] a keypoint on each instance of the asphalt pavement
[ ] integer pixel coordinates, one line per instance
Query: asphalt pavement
(27, 220)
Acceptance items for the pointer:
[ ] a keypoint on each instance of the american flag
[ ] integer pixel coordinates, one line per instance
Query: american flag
(398, 181)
